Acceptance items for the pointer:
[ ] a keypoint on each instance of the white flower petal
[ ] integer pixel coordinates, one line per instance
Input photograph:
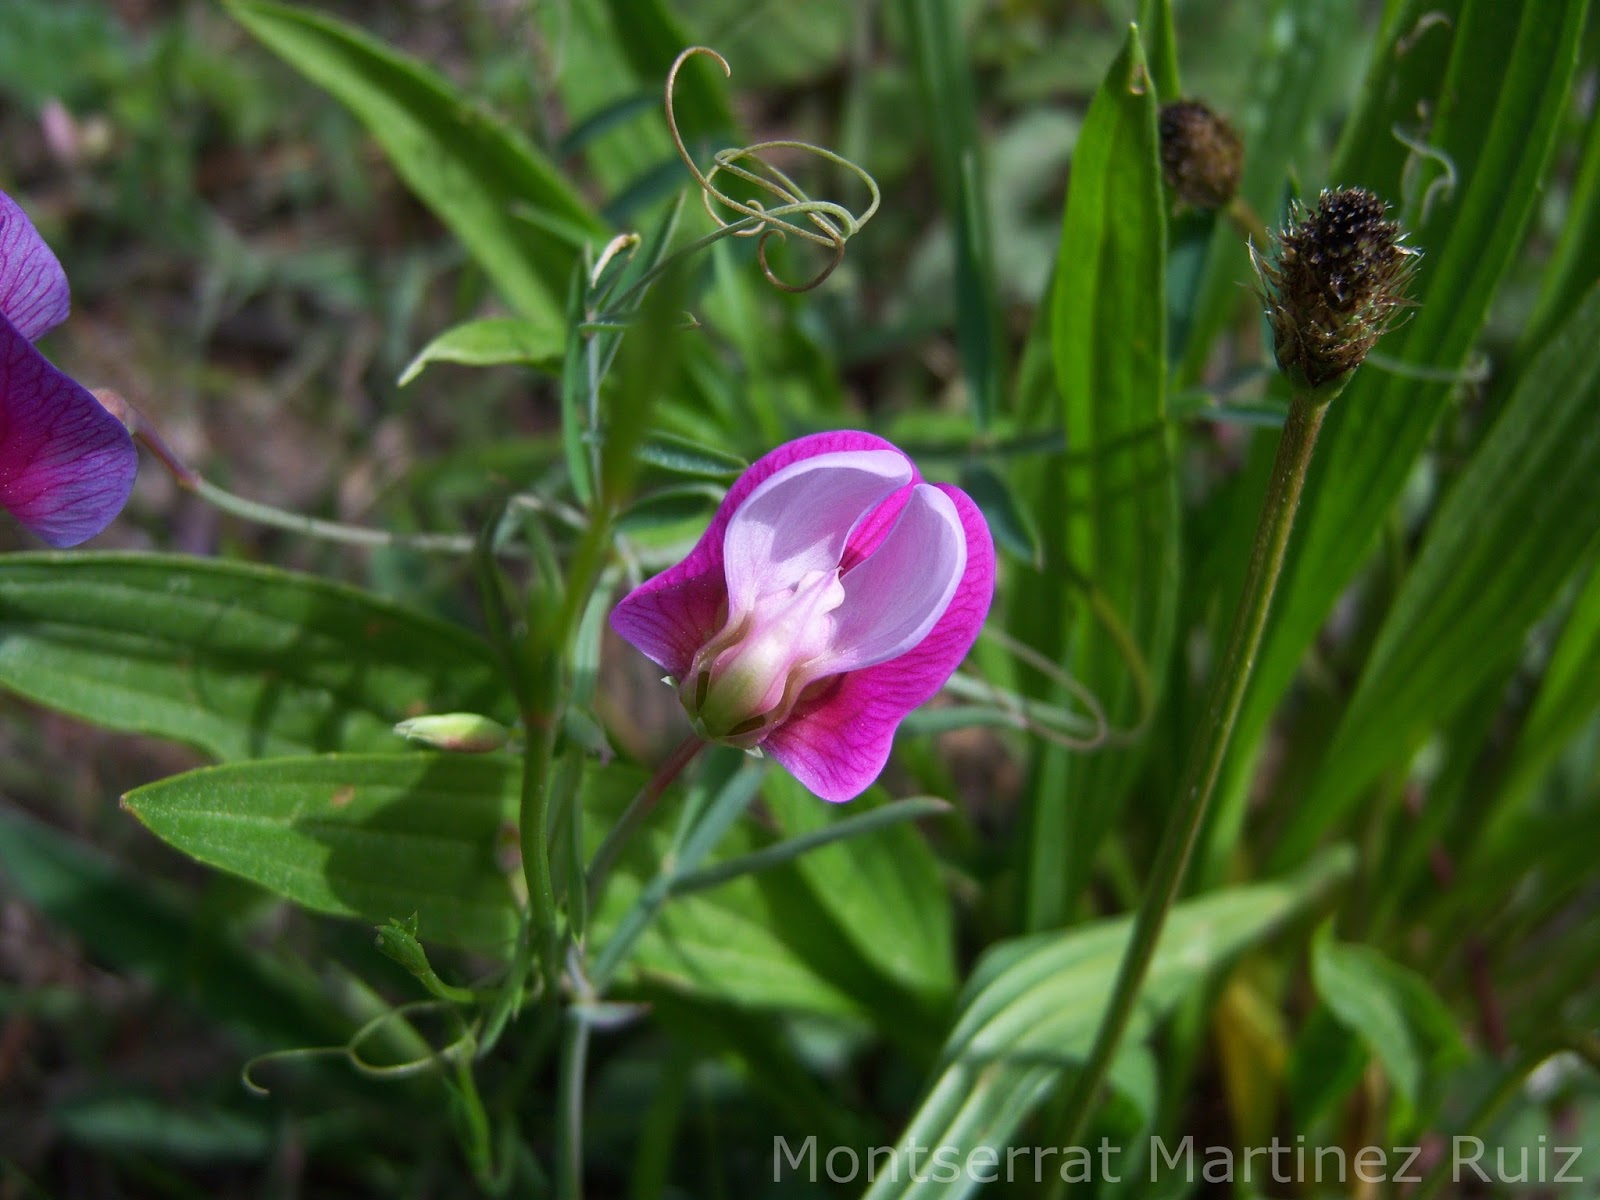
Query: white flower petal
(799, 520)
(894, 597)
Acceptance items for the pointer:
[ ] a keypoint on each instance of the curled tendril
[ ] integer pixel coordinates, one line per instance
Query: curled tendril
(459, 1050)
(829, 224)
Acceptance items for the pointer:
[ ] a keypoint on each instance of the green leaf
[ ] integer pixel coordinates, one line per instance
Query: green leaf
(1012, 524)
(740, 943)
(1327, 1063)
(1161, 48)
(1575, 260)
(649, 35)
(1496, 78)
(370, 836)
(493, 342)
(512, 209)
(681, 456)
(239, 661)
(944, 81)
(882, 891)
(1030, 1010)
(1115, 493)
(1293, 72)
(1569, 695)
(1480, 580)
(1392, 1007)
(126, 1124)
(140, 925)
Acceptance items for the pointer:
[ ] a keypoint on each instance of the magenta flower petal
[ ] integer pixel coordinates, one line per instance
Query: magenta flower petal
(33, 287)
(833, 593)
(838, 743)
(66, 464)
(670, 616)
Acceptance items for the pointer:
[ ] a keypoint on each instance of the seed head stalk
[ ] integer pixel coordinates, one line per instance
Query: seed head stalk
(1306, 411)
(1335, 284)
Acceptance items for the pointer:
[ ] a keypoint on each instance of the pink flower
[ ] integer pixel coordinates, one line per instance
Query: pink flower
(833, 593)
(66, 464)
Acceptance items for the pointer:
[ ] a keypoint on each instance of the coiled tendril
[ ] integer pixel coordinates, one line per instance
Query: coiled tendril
(830, 224)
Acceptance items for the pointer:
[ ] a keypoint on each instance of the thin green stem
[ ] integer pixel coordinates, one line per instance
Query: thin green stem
(328, 531)
(537, 757)
(1210, 748)
(573, 1066)
(640, 807)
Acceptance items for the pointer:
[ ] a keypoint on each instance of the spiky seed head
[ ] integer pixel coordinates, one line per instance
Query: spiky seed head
(1334, 283)
(1201, 155)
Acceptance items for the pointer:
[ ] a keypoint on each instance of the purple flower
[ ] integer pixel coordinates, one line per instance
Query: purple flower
(833, 593)
(66, 464)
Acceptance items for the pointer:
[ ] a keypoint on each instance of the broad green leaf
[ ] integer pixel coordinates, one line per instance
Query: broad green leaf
(1114, 493)
(755, 941)
(882, 891)
(1391, 1007)
(1495, 77)
(376, 837)
(1030, 1010)
(143, 927)
(511, 208)
(493, 342)
(732, 945)
(239, 661)
(370, 836)
(1481, 579)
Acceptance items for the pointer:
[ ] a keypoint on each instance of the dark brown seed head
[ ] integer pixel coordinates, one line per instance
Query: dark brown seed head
(1201, 155)
(1334, 284)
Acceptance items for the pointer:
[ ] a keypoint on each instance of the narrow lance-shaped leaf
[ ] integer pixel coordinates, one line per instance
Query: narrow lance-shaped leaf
(1569, 696)
(492, 342)
(1480, 580)
(512, 209)
(1116, 485)
(944, 79)
(1391, 1007)
(371, 836)
(240, 661)
(1031, 1006)
(1495, 77)
(1289, 80)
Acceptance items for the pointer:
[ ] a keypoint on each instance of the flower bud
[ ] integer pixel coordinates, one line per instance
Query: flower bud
(1201, 155)
(464, 733)
(1334, 285)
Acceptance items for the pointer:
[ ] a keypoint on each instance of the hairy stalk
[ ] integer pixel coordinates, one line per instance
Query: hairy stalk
(1306, 411)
